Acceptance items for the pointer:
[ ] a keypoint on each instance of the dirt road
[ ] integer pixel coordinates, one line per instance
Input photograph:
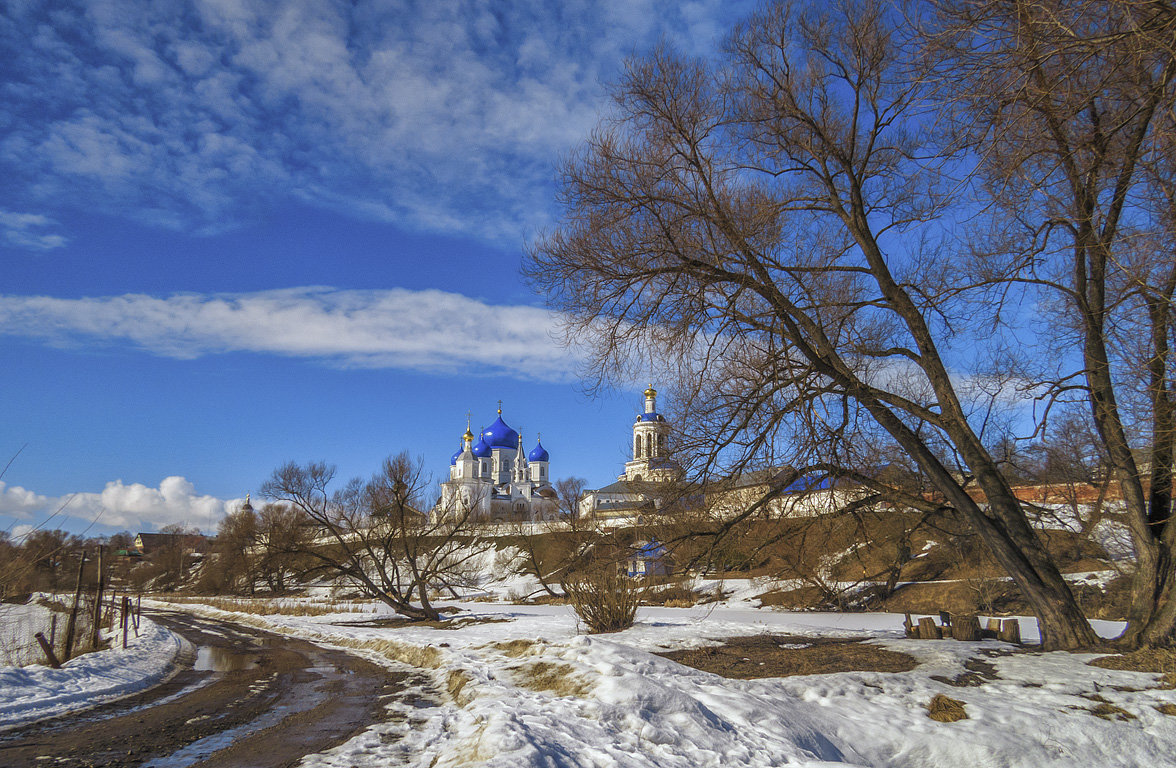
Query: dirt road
(243, 698)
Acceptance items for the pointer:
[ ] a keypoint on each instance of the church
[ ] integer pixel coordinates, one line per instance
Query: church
(496, 480)
(642, 485)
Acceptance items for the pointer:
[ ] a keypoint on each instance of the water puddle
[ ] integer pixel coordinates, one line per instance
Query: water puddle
(210, 658)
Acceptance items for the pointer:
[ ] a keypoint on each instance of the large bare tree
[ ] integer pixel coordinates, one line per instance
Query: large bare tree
(780, 224)
(1067, 108)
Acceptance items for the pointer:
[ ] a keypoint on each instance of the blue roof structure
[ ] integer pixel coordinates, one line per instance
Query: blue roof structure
(804, 484)
(454, 457)
(499, 435)
(538, 453)
(480, 449)
(650, 417)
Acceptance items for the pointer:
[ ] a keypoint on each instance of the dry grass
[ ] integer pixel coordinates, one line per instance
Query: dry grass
(559, 679)
(1158, 660)
(945, 709)
(1166, 708)
(455, 683)
(514, 648)
(1108, 711)
(424, 657)
(748, 658)
(263, 606)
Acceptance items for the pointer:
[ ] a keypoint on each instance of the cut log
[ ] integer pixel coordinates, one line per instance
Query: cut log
(1010, 631)
(966, 628)
(928, 629)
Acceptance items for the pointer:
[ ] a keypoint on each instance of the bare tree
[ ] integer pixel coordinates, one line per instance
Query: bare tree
(774, 224)
(380, 535)
(1068, 108)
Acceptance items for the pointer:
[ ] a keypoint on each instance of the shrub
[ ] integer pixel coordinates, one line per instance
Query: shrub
(603, 598)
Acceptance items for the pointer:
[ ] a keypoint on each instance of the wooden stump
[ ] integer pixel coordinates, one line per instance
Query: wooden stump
(909, 625)
(966, 628)
(928, 629)
(1010, 631)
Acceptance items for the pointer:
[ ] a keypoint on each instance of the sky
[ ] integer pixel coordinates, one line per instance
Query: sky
(235, 233)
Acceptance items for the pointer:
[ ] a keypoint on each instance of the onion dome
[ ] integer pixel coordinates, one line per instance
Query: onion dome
(650, 417)
(498, 435)
(457, 454)
(246, 507)
(651, 392)
(538, 453)
(481, 449)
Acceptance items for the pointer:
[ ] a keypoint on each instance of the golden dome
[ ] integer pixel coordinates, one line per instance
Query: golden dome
(651, 392)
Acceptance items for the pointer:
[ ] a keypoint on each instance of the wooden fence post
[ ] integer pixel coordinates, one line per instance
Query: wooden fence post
(72, 624)
(48, 649)
(96, 627)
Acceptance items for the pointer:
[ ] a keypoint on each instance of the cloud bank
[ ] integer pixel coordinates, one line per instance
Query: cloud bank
(135, 507)
(198, 114)
(429, 331)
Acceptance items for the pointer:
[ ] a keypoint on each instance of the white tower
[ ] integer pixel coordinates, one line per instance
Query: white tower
(651, 445)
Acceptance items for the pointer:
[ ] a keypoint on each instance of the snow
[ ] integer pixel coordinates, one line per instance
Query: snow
(618, 704)
(558, 697)
(34, 692)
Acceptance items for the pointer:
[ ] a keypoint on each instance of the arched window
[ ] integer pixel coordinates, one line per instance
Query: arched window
(649, 445)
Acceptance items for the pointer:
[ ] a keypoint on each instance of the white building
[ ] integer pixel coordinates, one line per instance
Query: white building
(639, 490)
(495, 478)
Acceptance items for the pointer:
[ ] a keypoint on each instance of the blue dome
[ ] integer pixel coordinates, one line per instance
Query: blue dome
(498, 435)
(454, 457)
(480, 449)
(538, 453)
(650, 417)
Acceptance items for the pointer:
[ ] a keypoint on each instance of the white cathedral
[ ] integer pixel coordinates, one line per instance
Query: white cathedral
(495, 480)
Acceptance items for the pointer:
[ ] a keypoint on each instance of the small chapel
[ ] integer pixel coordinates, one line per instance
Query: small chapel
(496, 480)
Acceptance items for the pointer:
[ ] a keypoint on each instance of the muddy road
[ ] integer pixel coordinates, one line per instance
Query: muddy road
(242, 697)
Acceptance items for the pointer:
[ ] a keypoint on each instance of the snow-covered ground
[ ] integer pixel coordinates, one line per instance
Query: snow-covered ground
(562, 698)
(32, 692)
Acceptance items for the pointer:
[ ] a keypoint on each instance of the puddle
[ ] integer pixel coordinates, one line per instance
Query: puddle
(211, 658)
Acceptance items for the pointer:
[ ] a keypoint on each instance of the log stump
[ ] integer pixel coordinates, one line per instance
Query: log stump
(966, 628)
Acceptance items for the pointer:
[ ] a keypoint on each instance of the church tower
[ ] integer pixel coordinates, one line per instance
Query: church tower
(651, 460)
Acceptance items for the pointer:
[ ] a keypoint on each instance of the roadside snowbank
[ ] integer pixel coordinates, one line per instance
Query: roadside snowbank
(32, 693)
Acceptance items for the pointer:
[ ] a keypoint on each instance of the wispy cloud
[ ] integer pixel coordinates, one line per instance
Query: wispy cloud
(30, 231)
(196, 113)
(430, 331)
(134, 506)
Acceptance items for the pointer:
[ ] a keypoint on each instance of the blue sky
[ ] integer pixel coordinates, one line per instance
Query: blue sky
(234, 233)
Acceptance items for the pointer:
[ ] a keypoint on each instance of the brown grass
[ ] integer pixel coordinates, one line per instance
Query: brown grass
(455, 683)
(514, 648)
(945, 709)
(1158, 660)
(559, 679)
(1166, 708)
(748, 658)
(1108, 711)
(264, 607)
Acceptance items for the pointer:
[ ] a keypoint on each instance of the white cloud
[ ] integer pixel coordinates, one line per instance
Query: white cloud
(437, 116)
(29, 230)
(135, 507)
(430, 330)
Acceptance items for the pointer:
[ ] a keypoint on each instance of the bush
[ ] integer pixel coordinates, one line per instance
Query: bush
(603, 598)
